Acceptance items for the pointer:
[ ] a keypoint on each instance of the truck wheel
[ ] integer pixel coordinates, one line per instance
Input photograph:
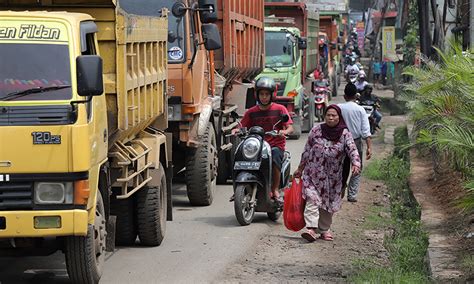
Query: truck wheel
(85, 256)
(334, 87)
(223, 169)
(244, 211)
(296, 128)
(201, 169)
(126, 232)
(308, 121)
(151, 212)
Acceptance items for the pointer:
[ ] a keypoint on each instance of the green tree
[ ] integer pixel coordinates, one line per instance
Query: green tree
(441, 102)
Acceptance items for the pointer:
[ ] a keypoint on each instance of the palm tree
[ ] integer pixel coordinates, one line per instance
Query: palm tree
(441, 100)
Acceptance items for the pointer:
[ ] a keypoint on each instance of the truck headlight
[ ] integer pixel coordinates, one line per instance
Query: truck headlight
(54, 193)
(251, 147)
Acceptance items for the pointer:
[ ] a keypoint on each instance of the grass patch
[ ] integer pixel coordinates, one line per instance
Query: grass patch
(374, 170)
(467, 263)
(408, 243)
(374, 221)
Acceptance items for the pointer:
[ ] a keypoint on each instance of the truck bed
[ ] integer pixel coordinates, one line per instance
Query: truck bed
(243, 39)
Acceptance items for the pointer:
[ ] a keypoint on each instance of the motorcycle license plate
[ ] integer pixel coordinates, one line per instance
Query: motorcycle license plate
(244, 165)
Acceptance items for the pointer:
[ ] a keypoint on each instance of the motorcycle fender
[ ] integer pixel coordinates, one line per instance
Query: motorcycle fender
(247, 177)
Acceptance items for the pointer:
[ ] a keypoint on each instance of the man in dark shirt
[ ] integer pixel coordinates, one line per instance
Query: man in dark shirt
(266, 114)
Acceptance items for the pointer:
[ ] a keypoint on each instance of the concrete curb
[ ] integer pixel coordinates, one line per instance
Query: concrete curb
(440, 255)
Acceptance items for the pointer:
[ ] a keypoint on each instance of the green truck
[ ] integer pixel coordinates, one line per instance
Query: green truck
(291, 55)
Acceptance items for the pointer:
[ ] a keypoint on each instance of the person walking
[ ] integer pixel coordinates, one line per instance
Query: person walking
(358, 125)
(321, 169)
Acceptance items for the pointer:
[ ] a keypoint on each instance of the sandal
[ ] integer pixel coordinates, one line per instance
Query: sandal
(327, 236)
(310, 236)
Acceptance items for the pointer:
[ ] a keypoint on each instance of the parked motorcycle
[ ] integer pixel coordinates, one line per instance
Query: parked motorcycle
(252, 175)
(321, 93)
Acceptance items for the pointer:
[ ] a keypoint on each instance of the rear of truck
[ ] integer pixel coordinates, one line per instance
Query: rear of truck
(202, 80)
(67, 151)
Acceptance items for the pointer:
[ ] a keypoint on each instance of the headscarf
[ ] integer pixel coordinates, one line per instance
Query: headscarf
(334, 133)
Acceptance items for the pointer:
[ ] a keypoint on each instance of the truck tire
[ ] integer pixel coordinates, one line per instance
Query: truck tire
(308, 121)
(201, 169)
(223, 169)
(151, 208)
(334, 86)
(296, 128)
(126, 231)
(85, 256)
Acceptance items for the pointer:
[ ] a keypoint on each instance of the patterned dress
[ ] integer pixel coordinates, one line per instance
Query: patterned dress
(322, 174)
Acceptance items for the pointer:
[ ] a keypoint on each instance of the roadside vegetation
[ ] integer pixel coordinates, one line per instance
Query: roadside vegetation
(440, 98)
(405, 240)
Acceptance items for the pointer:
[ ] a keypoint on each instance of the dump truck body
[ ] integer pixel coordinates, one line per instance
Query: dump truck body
(70, 155)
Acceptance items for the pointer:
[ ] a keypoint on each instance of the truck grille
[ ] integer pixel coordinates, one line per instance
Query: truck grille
(35, 115)
(281, 88)
(16, 195)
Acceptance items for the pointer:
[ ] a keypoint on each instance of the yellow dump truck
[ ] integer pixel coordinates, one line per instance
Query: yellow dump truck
(83, 111)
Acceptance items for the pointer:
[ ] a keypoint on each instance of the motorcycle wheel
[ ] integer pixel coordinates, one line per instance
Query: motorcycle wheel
(244, 212)
(274, 216)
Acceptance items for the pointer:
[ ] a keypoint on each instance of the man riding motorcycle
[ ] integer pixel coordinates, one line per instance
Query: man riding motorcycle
(267, 115)
(361, 83)
(351, 70)
(366, 95)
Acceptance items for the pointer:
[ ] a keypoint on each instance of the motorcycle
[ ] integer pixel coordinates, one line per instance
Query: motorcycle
(370, 106)
(252, 175)
(321, 94)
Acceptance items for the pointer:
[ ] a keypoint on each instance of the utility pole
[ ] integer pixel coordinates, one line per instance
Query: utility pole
(424, 27)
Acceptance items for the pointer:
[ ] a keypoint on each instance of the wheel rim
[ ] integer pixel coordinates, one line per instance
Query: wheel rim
(247, 209)
(100, 232)
(214, 158)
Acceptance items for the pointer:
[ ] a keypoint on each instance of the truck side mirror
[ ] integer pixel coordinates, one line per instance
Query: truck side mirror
(211, 36)
(302, 43)
(89, 75)
(179, 9)
(208, 11)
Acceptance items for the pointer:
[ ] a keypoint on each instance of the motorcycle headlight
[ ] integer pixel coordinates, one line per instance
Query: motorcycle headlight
(54, 193)
(251, 147)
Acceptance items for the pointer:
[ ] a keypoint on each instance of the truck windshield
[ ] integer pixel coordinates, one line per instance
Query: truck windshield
(279, 49)
(35, 66)
(176, 36)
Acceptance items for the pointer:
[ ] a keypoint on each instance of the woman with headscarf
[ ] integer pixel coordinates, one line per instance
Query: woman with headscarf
(321, 171)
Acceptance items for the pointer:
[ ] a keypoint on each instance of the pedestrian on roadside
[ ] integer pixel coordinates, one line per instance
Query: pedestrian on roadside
(383, 70)
(358, 124)
(321, 169)
(377, 71)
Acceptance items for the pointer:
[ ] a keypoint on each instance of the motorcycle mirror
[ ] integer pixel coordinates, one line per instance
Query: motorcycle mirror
(285, 118)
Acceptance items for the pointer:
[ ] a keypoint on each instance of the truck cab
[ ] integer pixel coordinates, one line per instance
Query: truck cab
(284, 63)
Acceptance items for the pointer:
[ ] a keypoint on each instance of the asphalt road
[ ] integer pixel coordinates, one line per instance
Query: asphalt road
(199, 245)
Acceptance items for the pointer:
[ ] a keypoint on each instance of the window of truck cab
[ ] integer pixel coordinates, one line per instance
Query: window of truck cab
(34, 55)
(176, 26)
(279, 49)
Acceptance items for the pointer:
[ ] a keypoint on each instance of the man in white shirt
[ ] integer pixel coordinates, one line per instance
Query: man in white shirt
(358, 124)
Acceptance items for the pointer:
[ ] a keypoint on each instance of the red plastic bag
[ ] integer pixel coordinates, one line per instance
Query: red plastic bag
(293, 208)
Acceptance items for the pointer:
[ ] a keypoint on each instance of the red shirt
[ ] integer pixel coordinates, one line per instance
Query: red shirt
(254, 116)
